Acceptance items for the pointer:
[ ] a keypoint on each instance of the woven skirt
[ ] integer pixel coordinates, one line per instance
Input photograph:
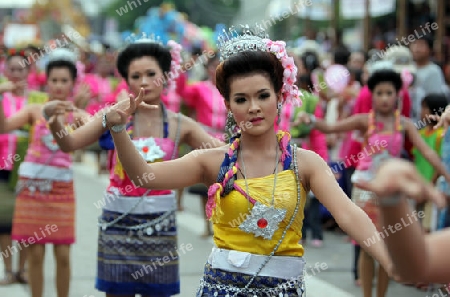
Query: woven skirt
(7, 202)
(140, 261)
(44, 212)
(220, 283)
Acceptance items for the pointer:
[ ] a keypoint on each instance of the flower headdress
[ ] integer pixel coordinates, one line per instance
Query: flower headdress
(175, 52)
(16, 52)
(231, 43)
(63, 54)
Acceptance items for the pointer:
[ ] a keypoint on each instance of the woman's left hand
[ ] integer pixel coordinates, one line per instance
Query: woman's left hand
(119, 113)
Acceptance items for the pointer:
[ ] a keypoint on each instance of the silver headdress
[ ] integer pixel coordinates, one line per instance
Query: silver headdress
(231, 42)
(143, 38)
(62, 54)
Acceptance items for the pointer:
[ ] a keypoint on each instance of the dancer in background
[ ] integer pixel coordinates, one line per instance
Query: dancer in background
(255, 78)
(207, 103)
(384, 130)
(138, 226)
(13, 94)
(45, 207)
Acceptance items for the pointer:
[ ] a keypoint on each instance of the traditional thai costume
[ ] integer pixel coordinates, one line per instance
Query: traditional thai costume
(257, 250)
(138, 226)
(372, 154)
(45, 192)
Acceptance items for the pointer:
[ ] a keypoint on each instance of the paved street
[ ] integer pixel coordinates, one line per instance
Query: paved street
(330, 272)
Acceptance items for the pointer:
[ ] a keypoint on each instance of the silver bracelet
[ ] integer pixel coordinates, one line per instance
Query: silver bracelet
(104, 120)
(118, 128)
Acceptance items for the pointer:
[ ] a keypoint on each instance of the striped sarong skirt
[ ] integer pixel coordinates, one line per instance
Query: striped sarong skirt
(45, 206)
(137, 254)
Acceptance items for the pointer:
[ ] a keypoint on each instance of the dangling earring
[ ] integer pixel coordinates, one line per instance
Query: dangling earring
(279, 112)
(231, 123)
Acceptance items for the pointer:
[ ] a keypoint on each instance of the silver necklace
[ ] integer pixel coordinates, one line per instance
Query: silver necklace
(263, 220)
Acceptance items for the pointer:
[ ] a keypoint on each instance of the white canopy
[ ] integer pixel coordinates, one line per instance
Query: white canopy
(16, 3)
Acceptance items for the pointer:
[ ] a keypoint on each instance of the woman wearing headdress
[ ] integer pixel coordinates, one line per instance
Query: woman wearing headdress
(45, 207)
(13, 91)
(258, 189)
(137, 228)
(207, 103)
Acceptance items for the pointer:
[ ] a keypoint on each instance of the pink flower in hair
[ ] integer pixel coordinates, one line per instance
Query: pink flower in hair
(175, 65)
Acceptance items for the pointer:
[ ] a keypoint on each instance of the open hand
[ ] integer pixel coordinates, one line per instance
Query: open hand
(399, 177)
(119, 114)
(443, 120)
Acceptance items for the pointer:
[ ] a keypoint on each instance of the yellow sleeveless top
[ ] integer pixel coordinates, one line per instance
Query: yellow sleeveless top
(235, 207)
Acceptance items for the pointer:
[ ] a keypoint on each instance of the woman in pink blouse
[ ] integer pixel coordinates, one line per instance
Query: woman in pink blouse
(13, 98)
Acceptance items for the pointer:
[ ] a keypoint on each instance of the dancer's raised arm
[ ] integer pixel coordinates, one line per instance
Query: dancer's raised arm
(352, 219)
(179, 173)
(417, 257)
(355, 122)
(88, 133)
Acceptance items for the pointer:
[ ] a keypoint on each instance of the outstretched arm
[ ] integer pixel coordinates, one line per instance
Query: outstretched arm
(176, 174)
(86, 135)
(355, 122)
(352, 219)
(417, 257)
(17, 120)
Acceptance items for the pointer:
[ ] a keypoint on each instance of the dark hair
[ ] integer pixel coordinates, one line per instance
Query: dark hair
(246, 63)
(428, 41)
(61, 64)
(341, 55)
(310, 61)
(436, 103)
(305, 79)
(385, 75)
(139, 50)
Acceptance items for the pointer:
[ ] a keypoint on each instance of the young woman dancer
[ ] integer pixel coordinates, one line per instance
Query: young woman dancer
(13, 92)
(45, 207)
(383, 128)
(262, 256)
(138, 226)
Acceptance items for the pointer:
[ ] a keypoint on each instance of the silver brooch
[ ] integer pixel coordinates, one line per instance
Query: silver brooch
(263, 220)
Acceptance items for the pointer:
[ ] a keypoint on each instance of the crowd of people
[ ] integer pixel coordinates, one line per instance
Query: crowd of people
(282, 137)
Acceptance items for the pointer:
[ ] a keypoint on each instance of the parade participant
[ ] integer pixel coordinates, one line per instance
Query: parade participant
(13, 92)
(384, 130)
(45, 207)
(138, 226)
(257, 228)
(207, 104)
(417, 256)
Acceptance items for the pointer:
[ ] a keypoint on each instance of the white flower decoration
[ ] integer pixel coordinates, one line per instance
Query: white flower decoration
(148, 149)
